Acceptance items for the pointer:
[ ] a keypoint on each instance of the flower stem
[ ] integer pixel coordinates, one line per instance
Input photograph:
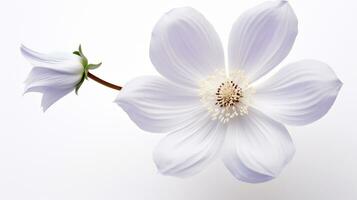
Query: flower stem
(103, 82)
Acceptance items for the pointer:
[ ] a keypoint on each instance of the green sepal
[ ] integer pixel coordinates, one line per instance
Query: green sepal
(76, 53)
(79, 84)
(86, 67)
(94, 66)
(86, 74)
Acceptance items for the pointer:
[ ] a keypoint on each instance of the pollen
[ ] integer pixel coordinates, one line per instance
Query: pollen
(226, 96)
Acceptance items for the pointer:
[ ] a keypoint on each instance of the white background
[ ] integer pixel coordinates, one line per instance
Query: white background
(85, 147)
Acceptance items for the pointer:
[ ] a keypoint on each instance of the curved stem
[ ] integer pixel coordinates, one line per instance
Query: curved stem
(103, 82)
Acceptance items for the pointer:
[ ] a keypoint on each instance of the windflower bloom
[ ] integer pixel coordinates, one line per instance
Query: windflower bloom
(210, 111)
(55, 75)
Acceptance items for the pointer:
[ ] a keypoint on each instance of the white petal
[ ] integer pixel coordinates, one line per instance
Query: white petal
(50, 95)
(261, 38)
(257, 147)
(299, 93)
(185, 47)
(64, 62)
(158, 105)
(187, 150)
(40, 76)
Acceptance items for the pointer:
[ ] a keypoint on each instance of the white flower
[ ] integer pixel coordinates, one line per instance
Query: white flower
(55, 75)
(210, 111)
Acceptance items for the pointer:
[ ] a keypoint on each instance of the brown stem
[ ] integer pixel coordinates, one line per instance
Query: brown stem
(103, 82)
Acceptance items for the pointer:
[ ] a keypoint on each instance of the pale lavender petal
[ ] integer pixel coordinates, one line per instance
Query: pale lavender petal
(50, 95)
(187, 150)
(158, 105)
(185, 48)
(257, 148)
(261, 38)
(64, 62)
(300, 93)
(40, 76)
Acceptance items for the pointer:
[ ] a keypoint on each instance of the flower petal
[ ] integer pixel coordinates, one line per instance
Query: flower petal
(158, 105)
(261, 38)
(64, 62)
(299, 93)
(50, 95)
(40, 76)
(187, 150)
(257, 148)
(185, 47)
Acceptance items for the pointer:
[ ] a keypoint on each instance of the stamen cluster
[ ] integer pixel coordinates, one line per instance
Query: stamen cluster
(228, 94)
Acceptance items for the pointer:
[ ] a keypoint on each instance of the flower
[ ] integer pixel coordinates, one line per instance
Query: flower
(210, 111)
(55, 75)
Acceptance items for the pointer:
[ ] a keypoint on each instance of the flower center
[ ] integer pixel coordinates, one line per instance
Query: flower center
(228, 94)
(226, 97)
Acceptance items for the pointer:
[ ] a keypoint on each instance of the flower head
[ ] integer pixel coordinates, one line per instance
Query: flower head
(210, 110)
(55, 75)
